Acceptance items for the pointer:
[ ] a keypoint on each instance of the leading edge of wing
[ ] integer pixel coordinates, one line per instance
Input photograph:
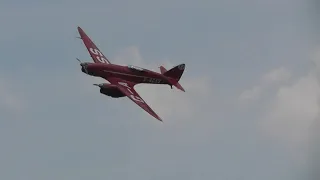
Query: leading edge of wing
(127, 88)
(93, 50)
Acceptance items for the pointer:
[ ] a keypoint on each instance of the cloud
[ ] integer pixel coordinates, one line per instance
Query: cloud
(73, 131)
(287, 111)
(132, 55)
(314, 151)
(10, 101)
(129, 55)
(273, 77)
(277, 75)
(292, 109)
(296, 106)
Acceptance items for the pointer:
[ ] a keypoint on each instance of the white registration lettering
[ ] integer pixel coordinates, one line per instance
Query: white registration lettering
(130, 91)
(135, 98)
(95, 51)
(101, 59)
(99, 55)
(152, 80)
(124, 84)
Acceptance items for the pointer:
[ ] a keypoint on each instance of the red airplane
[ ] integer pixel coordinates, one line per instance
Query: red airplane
(123, 78)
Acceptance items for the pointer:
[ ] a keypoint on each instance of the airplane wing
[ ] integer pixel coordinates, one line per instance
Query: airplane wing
(95, 53)
(127, 88)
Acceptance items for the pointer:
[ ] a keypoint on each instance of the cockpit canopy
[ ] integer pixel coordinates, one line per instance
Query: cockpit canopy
(135, 68)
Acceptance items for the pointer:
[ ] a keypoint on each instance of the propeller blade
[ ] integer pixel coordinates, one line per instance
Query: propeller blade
(99, 85)
(79, 60)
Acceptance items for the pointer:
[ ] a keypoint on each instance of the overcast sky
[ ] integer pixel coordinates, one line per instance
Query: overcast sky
(250, 109)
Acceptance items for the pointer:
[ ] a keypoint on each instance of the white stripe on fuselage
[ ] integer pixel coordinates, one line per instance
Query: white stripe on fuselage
(125, 74)
(144, 77)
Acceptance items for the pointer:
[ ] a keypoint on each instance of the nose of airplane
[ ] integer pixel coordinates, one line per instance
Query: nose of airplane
(83, 68)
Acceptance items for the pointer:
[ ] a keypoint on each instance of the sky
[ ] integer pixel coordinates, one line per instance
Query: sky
(250, 110)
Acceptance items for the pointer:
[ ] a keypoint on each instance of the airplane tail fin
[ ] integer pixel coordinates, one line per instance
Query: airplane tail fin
(174, 75)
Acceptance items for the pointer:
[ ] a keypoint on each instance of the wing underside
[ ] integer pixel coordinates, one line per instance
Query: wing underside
(94, 51)
(127, 88)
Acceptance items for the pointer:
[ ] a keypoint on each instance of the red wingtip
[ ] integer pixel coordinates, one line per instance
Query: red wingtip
(159, 118)
(81, 31)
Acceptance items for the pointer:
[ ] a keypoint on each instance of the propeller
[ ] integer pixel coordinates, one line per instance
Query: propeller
(83, 65)
(99, 85)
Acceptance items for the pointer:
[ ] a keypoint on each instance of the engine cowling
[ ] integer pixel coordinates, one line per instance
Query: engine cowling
(110, 90)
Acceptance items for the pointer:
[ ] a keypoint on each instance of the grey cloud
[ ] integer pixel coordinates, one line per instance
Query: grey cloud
(70, 131)
(269, 80)
(313, 151)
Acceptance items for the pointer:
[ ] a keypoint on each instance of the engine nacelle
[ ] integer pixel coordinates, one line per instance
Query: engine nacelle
(111, 90)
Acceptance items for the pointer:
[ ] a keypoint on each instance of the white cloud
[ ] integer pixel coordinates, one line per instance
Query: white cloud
(295, 107)
(10, 101)
(292, 111)
(277, 75)
(132, 55)
(290, 115)
(68, 126)
(251, 94)
(274, 77)
(128, 55)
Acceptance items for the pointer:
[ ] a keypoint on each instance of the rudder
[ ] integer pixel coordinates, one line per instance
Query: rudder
(174, 75)
(176, 72)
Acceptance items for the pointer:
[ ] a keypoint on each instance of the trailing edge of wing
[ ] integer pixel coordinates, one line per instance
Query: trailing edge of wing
(127, 89)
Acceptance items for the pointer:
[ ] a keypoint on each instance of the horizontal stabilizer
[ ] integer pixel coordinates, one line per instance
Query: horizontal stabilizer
(174, 75)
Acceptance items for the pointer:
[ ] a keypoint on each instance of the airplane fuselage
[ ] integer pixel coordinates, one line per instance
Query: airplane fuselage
(128, 73)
